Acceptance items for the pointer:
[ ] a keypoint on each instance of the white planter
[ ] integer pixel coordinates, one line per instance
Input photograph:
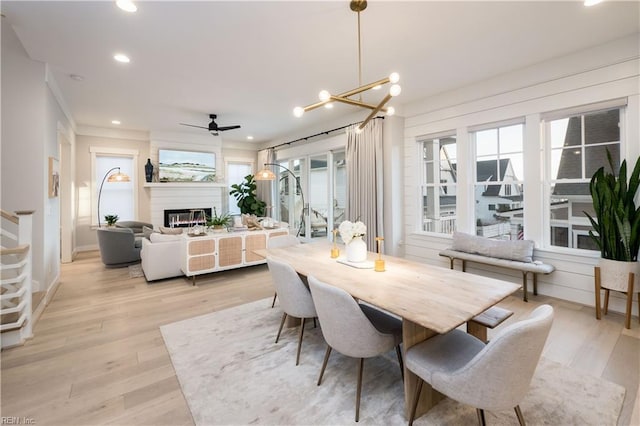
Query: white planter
(356, 250)
(614, 275)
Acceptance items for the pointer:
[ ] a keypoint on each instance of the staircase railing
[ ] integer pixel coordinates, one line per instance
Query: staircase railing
(16, 235)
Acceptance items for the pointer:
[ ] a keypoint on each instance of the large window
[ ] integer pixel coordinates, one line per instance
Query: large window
(578, 145)
(236, 171)
(498, 189)
(439, 180)
(116, 198)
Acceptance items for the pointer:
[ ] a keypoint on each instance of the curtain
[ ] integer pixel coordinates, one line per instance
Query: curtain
(264, 189)
(365, 179)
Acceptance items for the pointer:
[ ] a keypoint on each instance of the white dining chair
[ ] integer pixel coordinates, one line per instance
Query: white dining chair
(354, 330)
(281, 241)
(492, 377)
(295, 298)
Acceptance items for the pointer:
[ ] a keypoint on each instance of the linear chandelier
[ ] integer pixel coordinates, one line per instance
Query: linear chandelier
(327, 99)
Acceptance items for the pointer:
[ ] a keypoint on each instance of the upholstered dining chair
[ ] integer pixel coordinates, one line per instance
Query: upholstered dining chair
(493, 377)
(281, 241)
(354, 330)
(295, 298)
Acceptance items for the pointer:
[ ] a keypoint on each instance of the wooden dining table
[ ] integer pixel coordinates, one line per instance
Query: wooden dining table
(430, 300)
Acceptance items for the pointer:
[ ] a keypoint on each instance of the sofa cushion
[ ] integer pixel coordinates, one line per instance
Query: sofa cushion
(157, 237)
(519, 250)
(170, 231)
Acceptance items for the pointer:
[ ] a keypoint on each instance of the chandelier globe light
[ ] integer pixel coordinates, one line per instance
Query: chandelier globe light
(327, 99)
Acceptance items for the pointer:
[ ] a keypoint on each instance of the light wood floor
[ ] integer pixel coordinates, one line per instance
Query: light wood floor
(98, 356)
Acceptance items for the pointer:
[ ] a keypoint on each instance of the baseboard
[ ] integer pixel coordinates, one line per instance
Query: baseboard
(92, 247)
(48, 297)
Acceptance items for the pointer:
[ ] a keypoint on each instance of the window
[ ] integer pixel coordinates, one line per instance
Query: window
(236, 171)
(439, 180)
(499, 181)
(578, 145)
(116, 198)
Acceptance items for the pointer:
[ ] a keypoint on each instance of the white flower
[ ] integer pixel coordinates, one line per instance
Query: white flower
(349, 230)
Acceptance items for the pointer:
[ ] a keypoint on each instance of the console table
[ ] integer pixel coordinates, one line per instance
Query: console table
(214, 252)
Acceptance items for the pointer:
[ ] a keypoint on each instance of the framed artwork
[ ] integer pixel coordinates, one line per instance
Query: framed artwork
(54, 177)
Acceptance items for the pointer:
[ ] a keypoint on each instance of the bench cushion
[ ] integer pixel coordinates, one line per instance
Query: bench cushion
(518, 250)
(537, 267)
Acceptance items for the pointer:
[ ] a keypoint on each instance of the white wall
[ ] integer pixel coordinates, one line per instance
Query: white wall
(30, 119)
(606, 72)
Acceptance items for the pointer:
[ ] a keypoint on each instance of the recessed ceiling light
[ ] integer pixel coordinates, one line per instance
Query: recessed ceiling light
(591, 2)
(115, 121)
(76, 77)
(250, 138)
(121, 58)
(126, 5)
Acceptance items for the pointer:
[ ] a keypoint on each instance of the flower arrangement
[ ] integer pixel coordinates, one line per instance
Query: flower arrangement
(219, 221)
(350, 230)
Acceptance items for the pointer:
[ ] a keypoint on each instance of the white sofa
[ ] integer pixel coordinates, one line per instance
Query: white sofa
(161, 256)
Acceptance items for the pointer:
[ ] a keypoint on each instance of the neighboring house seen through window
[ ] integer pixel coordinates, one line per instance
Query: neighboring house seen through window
(578, 145)
(439, 181)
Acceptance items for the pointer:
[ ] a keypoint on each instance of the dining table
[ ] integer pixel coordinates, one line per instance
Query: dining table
(429, 299)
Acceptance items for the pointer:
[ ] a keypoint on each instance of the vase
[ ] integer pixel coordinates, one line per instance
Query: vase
(148, 170)
(356, 250)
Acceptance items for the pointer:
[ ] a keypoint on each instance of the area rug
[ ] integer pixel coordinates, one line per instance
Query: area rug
(232, 372)
(135, 271)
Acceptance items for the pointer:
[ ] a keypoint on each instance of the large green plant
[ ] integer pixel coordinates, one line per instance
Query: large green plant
(617, 221)
(245, 194)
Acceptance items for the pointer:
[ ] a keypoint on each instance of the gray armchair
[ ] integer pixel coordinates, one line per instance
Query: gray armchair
(134, 225)
(118, 247)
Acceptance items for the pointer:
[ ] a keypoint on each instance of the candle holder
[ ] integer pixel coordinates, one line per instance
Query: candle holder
(379, 263)
(335, 251)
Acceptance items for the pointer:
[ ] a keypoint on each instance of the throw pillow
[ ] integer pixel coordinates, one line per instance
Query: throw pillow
(146, 232)
(171, 231)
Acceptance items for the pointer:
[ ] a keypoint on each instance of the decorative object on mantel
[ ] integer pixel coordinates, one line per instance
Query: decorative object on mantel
(617, 233)
(335, 251)
(327, 98)
(355, 247)
(116, 177)
(148, 171)
(379, 261)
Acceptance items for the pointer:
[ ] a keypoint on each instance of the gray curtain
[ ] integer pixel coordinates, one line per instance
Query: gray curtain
(264, 189)
(365, 179)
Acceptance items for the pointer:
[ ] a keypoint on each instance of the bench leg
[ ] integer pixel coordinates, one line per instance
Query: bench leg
(451, 263)
(477, 330)
(597, 285)
(535, 284)
(464, 265)
(524, 287)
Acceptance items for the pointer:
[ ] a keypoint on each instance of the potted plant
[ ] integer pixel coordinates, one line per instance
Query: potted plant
(616, 231)
(245, 194)
(111, 219)
(218, 221)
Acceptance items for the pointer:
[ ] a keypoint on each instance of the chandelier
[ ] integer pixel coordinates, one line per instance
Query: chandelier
(327, 99)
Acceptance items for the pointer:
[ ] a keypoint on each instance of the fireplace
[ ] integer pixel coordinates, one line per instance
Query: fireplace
(183, 218)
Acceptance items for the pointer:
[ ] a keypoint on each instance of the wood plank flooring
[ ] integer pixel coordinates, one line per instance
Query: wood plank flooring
(98, 356)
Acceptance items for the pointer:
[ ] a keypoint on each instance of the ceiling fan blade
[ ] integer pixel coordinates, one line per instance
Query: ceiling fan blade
(222, 129)
(192, 125)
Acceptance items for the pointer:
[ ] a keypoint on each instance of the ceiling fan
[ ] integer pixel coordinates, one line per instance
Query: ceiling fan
(213, 127)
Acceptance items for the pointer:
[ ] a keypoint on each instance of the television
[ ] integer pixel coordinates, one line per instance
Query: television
(186, 166)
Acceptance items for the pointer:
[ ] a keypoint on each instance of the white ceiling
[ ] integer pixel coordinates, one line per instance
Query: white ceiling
(252, 62)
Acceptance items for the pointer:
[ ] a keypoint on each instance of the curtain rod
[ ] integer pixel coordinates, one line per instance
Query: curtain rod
(326, 132)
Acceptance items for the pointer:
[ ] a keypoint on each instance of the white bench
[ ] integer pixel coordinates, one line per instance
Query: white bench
(507, 254)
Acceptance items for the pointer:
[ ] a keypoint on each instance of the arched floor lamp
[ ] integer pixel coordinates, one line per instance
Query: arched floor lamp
(267, 174)
(116, 177)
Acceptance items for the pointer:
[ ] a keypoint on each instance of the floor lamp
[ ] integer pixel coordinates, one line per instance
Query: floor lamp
(267, 174)
(116, 177)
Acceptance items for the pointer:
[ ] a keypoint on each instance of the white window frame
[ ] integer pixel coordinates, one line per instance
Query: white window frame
(621, 104)
(235, 160)
(113, 152)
